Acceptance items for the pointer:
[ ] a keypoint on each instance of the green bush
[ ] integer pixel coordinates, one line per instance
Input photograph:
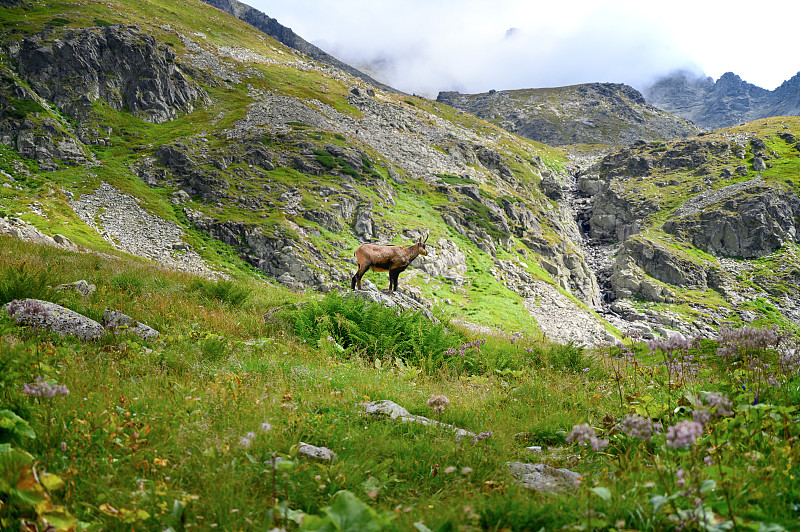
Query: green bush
(373, 331)
(21, 282)
(226, 291)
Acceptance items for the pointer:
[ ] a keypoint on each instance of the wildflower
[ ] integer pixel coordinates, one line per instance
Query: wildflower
(466, 470)
(708, 460)
(245, 442)
(266, 426)
(42, 388)
(27, 308)
(732, 342)
(673, 344)
(438, 403)
(63, 446)
(679, 475)
(772, 381)
(683, 434)
(702, 415)
(449, 469)
(584, 433)
(720, 402)
(637, 426)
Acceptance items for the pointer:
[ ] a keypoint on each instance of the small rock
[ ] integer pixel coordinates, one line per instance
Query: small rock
(544, 478)
(534, 448)
(317, 453)
(83, 287)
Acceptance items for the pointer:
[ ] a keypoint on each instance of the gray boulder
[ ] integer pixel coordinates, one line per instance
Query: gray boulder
(544, 478)
(83, 287)
(54, 318)
(317, 453)
(117, 322)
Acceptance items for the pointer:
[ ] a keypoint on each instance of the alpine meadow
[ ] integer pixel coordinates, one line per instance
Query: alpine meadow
(596, 325)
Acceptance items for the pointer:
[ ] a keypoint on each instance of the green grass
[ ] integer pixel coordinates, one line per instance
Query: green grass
(155, 433)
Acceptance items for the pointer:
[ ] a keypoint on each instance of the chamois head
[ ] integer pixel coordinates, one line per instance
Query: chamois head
(421, 243)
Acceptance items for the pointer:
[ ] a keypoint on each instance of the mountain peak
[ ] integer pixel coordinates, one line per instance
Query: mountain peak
(727, 102)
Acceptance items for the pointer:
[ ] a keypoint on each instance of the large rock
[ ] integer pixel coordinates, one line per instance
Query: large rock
(752, 222)
(54, 318)
(667, 264)
(118, 64)
(395, 411)
(116, 321)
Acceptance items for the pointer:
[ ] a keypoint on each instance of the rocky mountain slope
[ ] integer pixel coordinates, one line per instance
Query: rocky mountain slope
(285, 35)
(590, 113)
(189, 139)
(700, 233)
(186, 137)
(729, 101)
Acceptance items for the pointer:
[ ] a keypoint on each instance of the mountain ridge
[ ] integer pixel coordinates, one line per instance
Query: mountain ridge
(588, 113)
(725, 102)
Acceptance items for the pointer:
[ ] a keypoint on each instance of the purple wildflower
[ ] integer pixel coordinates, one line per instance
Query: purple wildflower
(584, 433)
(42, 388)
(702, 415)
(721, 402)
(683, 434)
(637, 426)
(438, 402)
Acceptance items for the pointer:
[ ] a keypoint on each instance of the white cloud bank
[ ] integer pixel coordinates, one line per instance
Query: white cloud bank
(426, 46)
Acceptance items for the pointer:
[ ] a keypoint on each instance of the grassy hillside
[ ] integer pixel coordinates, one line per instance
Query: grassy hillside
(181, 431)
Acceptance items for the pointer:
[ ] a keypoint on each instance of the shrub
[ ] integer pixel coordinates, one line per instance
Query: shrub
(21, 282)
(226, 291)
(373, 331)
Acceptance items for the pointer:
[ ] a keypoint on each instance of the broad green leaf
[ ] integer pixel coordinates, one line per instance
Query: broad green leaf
(15, 424)
(770, 527)
(658, 501)
(603, 493)
(17, 478)
(349, 514)
(51, 482)
(708, 485)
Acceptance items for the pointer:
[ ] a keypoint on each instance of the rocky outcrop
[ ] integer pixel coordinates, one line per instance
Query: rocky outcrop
(667, 264)
(591, 113)
(726, 102)
(751, 222)
(544, 478)
(117, 322)
(118, 64)
(22, 230)
(28, 125)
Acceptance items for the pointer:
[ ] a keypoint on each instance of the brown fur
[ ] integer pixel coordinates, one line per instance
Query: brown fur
(392, 259)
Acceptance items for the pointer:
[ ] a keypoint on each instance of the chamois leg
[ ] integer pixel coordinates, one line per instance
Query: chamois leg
(356, 280)
(393, 276)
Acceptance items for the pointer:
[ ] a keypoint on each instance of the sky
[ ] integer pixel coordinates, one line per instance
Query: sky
(472, 46)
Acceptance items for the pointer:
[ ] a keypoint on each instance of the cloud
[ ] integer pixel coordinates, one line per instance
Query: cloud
(424, 47)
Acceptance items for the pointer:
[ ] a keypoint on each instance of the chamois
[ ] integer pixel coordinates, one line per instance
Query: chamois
(392, 259)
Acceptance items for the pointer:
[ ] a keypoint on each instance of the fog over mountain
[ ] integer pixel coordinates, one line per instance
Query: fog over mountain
(426, 47)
